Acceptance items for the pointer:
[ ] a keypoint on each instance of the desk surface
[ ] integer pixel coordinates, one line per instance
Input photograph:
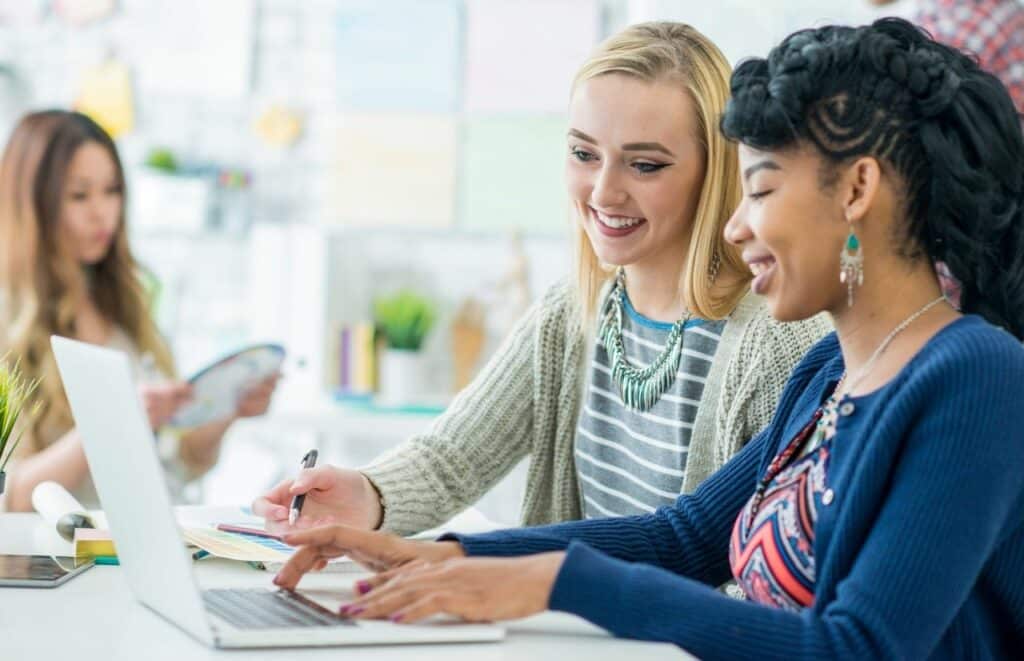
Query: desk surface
(94, 617)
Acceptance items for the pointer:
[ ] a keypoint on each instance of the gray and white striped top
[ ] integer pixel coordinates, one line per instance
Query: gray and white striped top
(631, 462)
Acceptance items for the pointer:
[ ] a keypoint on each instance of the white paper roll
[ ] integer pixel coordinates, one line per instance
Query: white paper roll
(53, 501)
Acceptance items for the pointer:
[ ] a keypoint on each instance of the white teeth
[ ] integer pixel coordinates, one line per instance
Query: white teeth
(617, 222)
(757, 268)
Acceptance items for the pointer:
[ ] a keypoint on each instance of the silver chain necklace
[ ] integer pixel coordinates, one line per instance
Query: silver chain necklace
(639, 388)
(826, 427)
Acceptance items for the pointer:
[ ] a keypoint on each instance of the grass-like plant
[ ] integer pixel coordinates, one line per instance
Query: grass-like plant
(404, 318)
(16, 393)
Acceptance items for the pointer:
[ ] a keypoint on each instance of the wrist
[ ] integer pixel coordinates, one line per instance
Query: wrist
(450, 549)
(547, 567)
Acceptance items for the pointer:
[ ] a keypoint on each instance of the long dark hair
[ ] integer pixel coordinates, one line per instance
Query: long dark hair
(41, 286)
(948, 129)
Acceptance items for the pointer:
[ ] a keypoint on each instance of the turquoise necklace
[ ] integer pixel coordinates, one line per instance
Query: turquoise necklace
(639, 388)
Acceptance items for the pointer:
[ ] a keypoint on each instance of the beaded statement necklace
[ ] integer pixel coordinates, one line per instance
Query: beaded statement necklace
(639, 388)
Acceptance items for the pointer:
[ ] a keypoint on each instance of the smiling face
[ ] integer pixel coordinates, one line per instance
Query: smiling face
(635, 168)
(790, 229)
(91, 203)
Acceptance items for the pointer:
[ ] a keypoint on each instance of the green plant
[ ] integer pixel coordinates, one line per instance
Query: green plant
(162, 159)
(16, 393)
(404, 318)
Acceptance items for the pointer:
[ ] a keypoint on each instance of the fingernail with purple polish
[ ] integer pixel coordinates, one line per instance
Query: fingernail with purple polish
(397, 617)
(362, 587)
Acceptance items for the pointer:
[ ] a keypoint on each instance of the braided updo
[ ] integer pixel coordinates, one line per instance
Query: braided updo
(931, 116)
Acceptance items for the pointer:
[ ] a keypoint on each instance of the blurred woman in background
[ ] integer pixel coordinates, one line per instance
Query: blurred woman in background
(66, 268)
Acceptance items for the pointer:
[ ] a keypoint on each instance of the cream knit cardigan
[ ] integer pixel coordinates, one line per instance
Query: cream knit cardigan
(526, 401)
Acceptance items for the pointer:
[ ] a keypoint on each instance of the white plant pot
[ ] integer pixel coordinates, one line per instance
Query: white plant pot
(403, 377)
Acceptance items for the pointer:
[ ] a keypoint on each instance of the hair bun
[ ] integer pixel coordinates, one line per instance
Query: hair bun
(898, 68)
(933, 82)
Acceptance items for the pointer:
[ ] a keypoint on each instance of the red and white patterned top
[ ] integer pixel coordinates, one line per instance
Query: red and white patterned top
(993, 30)
(772, 548)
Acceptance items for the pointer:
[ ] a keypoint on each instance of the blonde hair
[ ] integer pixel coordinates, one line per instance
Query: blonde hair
(41, 283)
(715, 278)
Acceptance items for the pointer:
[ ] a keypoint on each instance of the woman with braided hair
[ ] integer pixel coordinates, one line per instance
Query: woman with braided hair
(880, 515)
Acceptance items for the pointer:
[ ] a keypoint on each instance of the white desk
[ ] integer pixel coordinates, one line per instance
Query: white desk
(94, 617)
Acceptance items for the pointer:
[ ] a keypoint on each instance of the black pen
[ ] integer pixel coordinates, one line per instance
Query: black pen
(293, 514)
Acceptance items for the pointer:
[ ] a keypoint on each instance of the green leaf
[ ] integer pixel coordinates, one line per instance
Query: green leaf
(404, 318)
(16, 392)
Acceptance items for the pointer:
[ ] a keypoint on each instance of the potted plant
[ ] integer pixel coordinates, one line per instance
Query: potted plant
(16, 393)
(403, 320)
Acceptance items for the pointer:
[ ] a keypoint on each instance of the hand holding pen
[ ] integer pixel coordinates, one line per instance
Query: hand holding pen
(330, 494)
(299, 499)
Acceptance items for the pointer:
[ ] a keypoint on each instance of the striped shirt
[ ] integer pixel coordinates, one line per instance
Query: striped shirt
(631, 462)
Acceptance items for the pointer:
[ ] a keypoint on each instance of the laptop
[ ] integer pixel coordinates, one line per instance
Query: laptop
(129, 479)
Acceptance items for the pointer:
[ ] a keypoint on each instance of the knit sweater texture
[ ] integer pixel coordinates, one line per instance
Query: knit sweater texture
(919, 556)
(526, 402)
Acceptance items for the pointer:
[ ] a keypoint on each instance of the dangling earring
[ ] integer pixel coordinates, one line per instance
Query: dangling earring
(851, 265)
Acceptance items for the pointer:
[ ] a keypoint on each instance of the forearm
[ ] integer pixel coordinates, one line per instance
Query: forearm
(690, 538)
(476, 442)
(62, 462)
(634, 600)
(200, 447)
(635, 538)
(650, 539)
(426, 481)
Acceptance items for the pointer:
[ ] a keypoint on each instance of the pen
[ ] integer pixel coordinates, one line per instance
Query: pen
(293, 514)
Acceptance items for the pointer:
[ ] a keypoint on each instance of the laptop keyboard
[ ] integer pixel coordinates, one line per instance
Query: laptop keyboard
(265, 609)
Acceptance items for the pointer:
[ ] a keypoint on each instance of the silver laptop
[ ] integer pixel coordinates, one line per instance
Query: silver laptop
(130, 482)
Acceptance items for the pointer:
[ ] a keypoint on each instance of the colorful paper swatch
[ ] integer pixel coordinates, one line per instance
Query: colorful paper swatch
(236, 546)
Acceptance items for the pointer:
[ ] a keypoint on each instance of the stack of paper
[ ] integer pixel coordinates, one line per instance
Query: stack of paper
(95, 543)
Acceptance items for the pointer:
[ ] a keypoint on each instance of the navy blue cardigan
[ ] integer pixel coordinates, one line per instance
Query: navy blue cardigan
(920, 555)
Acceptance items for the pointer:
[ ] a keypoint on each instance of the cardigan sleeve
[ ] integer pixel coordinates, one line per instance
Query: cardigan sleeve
(757, 375)
(952, 494)
(480, 437)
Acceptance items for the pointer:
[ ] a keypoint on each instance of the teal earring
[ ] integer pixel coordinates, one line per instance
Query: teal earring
(851, 264)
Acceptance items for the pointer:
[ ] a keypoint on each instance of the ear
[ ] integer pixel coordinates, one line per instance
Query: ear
(861, 183)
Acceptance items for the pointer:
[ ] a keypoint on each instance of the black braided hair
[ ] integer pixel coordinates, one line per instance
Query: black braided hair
(948, 129)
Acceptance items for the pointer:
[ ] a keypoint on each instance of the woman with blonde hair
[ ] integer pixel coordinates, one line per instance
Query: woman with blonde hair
(634, 383)
(879, 515)
(67, 269)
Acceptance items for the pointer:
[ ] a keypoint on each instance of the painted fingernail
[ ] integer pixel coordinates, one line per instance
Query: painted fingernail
(362, 587)
(356, 611)
(277, 579)
(397, 617)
